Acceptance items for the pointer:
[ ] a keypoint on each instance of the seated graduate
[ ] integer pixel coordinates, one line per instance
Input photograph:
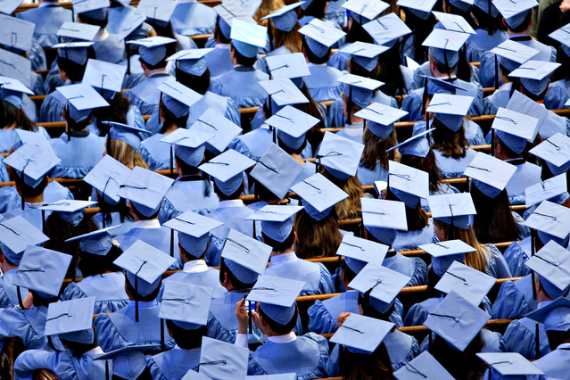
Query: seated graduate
(16, 235)
(185, 307)
(284, 37)
(17, 109)
(276, 315)
(194, 236)
(127, 22)
(219, 60)
(317, 233)
(48, 18)
(418, 17)
(550, 153)
(509, 365)
(73, 340)
(41, 271)
(489, 32)
(153, 52)
(241, 83)
(381, 220)
(78, 149)
(101, 278)
(558, 92)
(193, 18)
(139, 322)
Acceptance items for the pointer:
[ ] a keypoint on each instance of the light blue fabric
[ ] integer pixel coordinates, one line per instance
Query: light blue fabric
(193, 18)
(520, 336)
(514, 299)
(499, 98)
(253, 144)
(117, 16)
(145, 94)
(368, 176)
(219, 60)
(418, 312)
(26, 324)
(108, 290)
(223, 310)
(188, 194)
(78, 155)
(323, 83)
(63, 364)
(111, 49)
(451, 167)
(413, 239)
(173, 364)
(497, 266)
(9, 291)
(481, 42)
(527, 174)
(156, 153)
(241, 85)
(424, 71)
(557, 94)
(516, 256)
(157, 237)
(52, 108)
(555, 365)
(210, 279)
(48, 19)
(414, 267)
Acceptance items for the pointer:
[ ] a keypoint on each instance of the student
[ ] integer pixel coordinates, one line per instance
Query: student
(558, 92)
(48, 18)
(74, 340)
(284, 37)
(488, 33)
(17, 107)
(419, 19)
(276, 315)
(220, 60)
(127, 22)
(189, 19)
(265, 8)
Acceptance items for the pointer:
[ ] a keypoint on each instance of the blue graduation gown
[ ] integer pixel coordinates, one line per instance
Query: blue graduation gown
(253, 144)
(516, 256)
(193, 18)
(48, 17)
(555, 365)
(317, 278)
(557, 94)
(151, 232)
(368, 176)
(514, 299)
(413, 239)
(497, 266)
(241, 85)
(52, 107)
(173, 364)
(118, 19)
(307, 356)
(413, 267)
(188, 194)
(26, 324)
(9, 291)
(108, 290)
(323, 83)
(110, 48)
(145, 94)
(419, 311)
(78, 155)
(63, 364)
(156, 153)
(527, 174)
(219, 60)
(196, 272)
(451, 167)
(520, 336)
(481, 42)
(424, 70)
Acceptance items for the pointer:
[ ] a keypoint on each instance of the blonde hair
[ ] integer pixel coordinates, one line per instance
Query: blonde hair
(316, 238)
(291, 40)
(125, 154)
(349, 208)
(479, 259)
(266, 7)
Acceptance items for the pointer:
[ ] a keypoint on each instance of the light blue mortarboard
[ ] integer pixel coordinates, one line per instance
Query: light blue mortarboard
(145, 189)
(444, 253)
(320, 36)
(489, 174)
(98, 242)
(469, 283)
(362, 11)
(339, 155)
(510, 364)
(445, 45)
(382, 218)
(248, 37)
(555, 316)
(72, 320)
(159, 11)
(81, 99)
(276, 170)
(361, 334)
(554, 189)
(125, 21)
(552, 222)
(16, 234)
(42, 270)
(191, 61)
(417, 145)
(95, 9)
(535, 75)
(420, 8)
(358, 252)
(245, 257)
(287, 66)
(31, 137)
(276, 297)
(454, 23)
(193, 231)
(276, 220)
(456, 320)
(380, 119)
(408, 184)
(107, 177)
(144, 266)
(189, 144)
(75, 31)
(33, 162)
(152, 50)
(457, 210)
(554, 151)
(450, 109)
(516, 130)
(126, 133)
(364, 54)
(76, 52)
(105, 76)
(361, 89)
(126, 362)
(443, 85)
(221, 360)
(386, 30)
(177, 98)
(487, 7)
(285, 18)
(292, 124)
(513, 54)
(283, 92)
(227, 170)
(319, 195)
(187, 305)
(423, 367)
(9, 6)
(69, 210)
(18, 33)
(227, 13)
(12, 91)
(552, 264)
(16, 66)
(562, 35)
(515, 12)
(222, 130)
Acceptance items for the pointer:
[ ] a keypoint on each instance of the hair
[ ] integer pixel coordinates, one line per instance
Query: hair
(77, 349)
(375, 150)
(427, 164)
(277, 246)
(74, 126)
(184, 338)
(170, 119)
(464, 71)
(461, 365)
(73, 71)
(13, 116)
(236, 283)
(242, 59)
(38, 301)
(357, 33)
(200, 84)
(170, 49)
(356, 366)
(421, 28)
(494, 220)
(449, 143)
(133, 295)
(278, 328)
(485, 20)
(524, 25)
(92, 265)
(265, 8)
(312, 57)
(24, 190)
(390, 72)
(85, 19)
(479, 259)
(58, 230)
(218, 35)
(291, 40)
(124, 153)
(116, 111)
(416, 217)
(505, 149)
(189, 170)
(316, 238)
(262, 193)
(556, 338)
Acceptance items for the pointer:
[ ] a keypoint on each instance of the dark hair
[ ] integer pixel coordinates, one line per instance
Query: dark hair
(77, 349)
(451, 144)
(38, 301)
(316, 238)
(236, 283)
(11, 115)
(185, 169)
(494, 221)
(390, 72)
(369, 311)
(524, 25)
(170, 119)
(91, 265)
(316, 9)
(58, 230)
(356, 366)
(416, 218)
(242, 59)
(485, 20)
(461, 365)
(556, 338)
(218, 35)
(263, 193)
(312, 57)
(427, 164)
(73, 125)
(184, 338)
(464, 70)
(375, 150)
(73, 71)
(422, 28)
(116, 111)
(200, 84)
(133, 295)
(276, 327)
(85, 19)
(279, 246)
(357, 33)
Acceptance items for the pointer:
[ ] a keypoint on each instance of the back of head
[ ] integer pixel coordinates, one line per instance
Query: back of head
(316, 238)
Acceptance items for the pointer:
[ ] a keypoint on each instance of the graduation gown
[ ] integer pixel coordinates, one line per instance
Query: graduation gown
(78, 154)
(48, 18)
(556, 364)
(516, 256)
(520, 336)
(451, 167)
(156, 153)
(108, 290)
(9, 291)
(193, 18)
(527, 174)
(219, 60)
(323, 82)
(173, 364)
(145, 94)
(196, 272)
(413, 267)
(241, 85)
(26, 324)
(63, 364)
(188, 194)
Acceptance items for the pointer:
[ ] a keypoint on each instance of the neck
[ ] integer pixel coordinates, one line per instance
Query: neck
(276, 253)
(148, 73)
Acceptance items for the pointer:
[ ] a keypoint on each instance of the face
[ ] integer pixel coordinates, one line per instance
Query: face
(440, 231)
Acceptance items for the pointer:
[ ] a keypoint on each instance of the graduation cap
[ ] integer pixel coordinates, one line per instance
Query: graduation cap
(221, 360)
(33, 162)
(454, 23)
(361, 88)
(228, 12)
(364, 54)
(76, 52)
(98, 242)
(383, 214)
(107, 176)
(284, 18)
(552, 222)
(361, 334)
(224, 130)
(444, 253)
(276, 220)
(283, 92)
(319, 195)
(420, 8)
(462, 5)
(417, 145)
(276, 170)
(130, 135)
(177, 98)
(515, 12)
(423, 367)
(104, 76)
(16, 33)
(509, 364)
(145, 189)
(339, 155)
(276, 297)
(80, 99)
(191, 61)
(513, 54)
(320, 36)
(72, 320)
(554, 189)
(408, 184)
(457, 210)
(186, 305)
(123, 23)
(489, 174)
(456, 320)
(555, 151)
(157, 10)
(76, 31)
(245, 257)
(555, 315)
(562, 35)
(535, 75)
(70, 211)
(9, 6)
(16, 234)
(358, 252)
(287, 66)
(363, 11)
(189, 144)
(42, 270)
(12, 90)
(515, 129)
(471, 284)
(292, 124)
(386, 30)
(90, 6)
(445, 45)
(152, 50)
(248, 37)
(450, 109)
(227, 170)
(552, 264)
(193, 231)
(30, 137)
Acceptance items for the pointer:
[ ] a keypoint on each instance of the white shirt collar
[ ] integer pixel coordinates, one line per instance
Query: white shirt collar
(287, 338)
(231, 203)
(147, 224)
(283, 258)
(195, 266)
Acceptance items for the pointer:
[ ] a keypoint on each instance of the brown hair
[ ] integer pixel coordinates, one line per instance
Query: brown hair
(291, 40)
(451, 144)
(316, 238)
(266, 7)
(375, 150)
(349, 208)
(494, 220)
(477, 260)
(354, 366)
(124, 153)
(427, 164)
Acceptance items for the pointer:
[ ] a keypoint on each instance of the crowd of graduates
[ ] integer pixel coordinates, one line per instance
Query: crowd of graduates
(167, 201)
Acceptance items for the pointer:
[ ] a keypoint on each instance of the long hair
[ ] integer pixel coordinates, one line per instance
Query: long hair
(116, 111)
(316, 238)
(352, 186)
(390, 72)
(375, 150)
(461, 365)
(416, 217)
(125, 154)
(13, 116)
(265, 8)
(291, 40)
(494, 221)
(170, 120)
(449, 143)
(479, 259)
(427, 164)
(374, 366)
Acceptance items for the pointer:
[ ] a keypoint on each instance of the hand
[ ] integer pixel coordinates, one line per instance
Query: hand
(28, 302)
(242, 316)
(565, 6)
(342, 317)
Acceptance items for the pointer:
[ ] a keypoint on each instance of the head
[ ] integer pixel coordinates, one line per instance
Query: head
(186, 338)
(316, 238)
(494, 221)
(124, 153)
(198, 83)
(230, 280)
(157, 65)
(116, 111)
(70, 70)
(14, 117)
(461, 365)
(287, 245)
(135, 296)
(240, 59)
(311, 56)
(357, 366)
(291, 40)
(75, 126)
(449, 143)
(416, 217)
(28, 193)
(375, 150)
(169, 120)
(92, 265)
(97, 17)
(427, 164)
(270, 327)
(521, 23)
